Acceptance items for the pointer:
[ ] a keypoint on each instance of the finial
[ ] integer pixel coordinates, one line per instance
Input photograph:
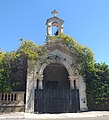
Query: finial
(54, 13)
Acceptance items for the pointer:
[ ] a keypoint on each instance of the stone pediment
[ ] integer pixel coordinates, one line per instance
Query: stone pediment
(61, 47)
(55, 19)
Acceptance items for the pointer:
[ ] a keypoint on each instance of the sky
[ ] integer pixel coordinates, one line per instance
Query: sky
(87, 21)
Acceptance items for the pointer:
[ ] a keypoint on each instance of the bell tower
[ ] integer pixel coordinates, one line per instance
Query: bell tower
(54, 22)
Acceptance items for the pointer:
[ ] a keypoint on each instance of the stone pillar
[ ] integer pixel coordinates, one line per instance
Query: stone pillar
(71, 79)
(29, 106)
(71, 82)
(62, 28)
(82, 93)
(40, 84)
(20, 96)
(49, 30)
(77, 82)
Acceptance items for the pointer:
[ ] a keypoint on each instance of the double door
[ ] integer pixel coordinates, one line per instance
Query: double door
(56, 101)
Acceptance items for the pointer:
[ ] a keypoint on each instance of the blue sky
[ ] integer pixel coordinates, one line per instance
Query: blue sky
(87, 21)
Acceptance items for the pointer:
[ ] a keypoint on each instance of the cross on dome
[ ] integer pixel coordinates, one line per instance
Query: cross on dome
(54, 13)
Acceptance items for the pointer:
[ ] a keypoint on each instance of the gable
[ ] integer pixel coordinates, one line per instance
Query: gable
(55, 19)
(61, 47)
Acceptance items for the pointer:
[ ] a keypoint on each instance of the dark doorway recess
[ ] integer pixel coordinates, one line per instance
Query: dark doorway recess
(55, 77)
(56, 96)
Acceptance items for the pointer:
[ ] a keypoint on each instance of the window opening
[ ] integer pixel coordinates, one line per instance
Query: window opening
(54, 31)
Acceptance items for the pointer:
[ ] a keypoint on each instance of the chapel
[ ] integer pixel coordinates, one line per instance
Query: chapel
(54, 85)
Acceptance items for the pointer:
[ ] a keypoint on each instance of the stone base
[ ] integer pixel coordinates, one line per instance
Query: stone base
(8, 109)
(84, 110)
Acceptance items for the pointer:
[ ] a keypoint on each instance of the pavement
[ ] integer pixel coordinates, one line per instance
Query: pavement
(22, 115)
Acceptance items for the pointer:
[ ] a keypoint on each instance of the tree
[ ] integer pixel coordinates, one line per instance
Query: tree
(5, 69)
(98, 87)
(28, 48)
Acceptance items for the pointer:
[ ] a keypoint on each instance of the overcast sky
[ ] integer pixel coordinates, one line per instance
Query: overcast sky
(87, 21)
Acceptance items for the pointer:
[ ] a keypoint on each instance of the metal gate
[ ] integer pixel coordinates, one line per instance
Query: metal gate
(56, 101)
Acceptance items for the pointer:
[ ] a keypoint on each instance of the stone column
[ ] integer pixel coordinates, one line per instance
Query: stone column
(62, 28)
(82, 93)
(71, 79)
(40, 84)
(49, 30)
(77, 82)
(71, 82)
(29, 107)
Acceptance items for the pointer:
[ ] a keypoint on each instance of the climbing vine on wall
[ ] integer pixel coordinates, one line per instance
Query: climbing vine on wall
(84, 56)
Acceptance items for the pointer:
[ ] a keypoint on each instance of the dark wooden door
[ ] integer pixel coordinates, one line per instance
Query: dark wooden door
(56, 101)
(56, 96)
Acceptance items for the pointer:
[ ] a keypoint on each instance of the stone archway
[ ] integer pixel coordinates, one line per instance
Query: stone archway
(56, 96)
(55, 77)
(33, 98)
(35, 83)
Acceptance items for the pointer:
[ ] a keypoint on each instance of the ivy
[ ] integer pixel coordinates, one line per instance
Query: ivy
(84, 56)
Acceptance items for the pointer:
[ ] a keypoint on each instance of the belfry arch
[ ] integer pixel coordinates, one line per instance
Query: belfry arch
(54, 21)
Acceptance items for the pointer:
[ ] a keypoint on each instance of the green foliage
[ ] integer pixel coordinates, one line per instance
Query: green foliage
(31, 50)
(96, 75)
(98, 87)
(5, 69)
(28, 48)
(1, 55)
(84, 56)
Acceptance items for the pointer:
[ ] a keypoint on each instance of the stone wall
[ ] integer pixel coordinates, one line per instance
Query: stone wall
(12, 102)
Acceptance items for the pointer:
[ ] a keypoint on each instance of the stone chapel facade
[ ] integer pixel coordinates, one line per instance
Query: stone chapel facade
(55, 86)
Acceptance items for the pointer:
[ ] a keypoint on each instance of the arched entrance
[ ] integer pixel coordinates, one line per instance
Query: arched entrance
(55, 77)
(56, 95)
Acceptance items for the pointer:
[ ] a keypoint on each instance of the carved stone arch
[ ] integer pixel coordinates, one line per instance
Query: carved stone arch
(55, 24)
(64, 63)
